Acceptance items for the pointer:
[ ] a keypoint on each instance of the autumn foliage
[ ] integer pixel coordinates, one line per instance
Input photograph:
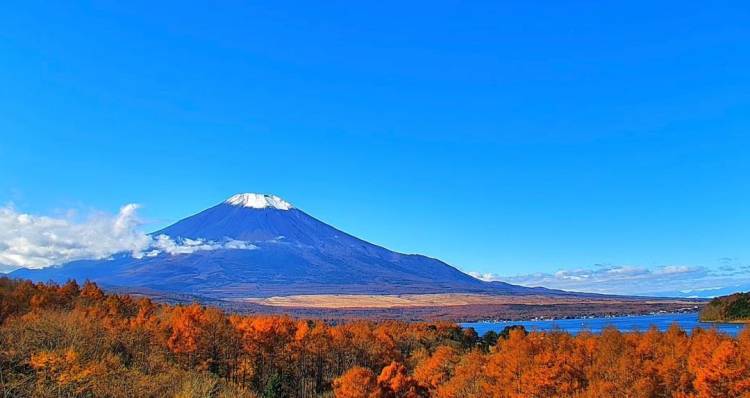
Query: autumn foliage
(76, 341)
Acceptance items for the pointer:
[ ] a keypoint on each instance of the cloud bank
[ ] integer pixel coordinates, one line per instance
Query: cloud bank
(166, 244)
(669, 280)
(32, 241)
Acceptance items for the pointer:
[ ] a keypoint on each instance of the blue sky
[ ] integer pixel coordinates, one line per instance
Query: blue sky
(507, 139)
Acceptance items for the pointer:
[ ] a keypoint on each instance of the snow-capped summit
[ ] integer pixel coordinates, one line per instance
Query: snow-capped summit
(259, 201)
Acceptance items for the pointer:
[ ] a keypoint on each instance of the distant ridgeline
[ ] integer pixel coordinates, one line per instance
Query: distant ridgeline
(732, 308)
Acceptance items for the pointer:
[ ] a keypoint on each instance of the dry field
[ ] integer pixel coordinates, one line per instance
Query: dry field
(334, 301)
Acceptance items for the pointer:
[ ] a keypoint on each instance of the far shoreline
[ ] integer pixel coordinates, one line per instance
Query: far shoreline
(739, 322)
(586, 317)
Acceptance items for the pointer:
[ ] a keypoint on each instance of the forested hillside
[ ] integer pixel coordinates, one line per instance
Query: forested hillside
(69, 341)
(732, 308)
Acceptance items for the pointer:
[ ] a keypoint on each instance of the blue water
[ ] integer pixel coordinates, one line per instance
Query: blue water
(687, 321)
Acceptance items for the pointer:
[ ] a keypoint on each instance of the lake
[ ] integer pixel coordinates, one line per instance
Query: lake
(687, 321)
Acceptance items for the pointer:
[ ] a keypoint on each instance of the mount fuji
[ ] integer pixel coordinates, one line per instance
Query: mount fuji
(256, 245)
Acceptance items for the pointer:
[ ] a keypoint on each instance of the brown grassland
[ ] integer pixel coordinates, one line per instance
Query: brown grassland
(446, 299)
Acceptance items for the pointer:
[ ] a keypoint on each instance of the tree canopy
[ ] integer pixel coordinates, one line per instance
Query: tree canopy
(76, 341)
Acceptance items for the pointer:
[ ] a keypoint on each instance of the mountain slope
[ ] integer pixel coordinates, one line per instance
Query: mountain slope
(282, 251)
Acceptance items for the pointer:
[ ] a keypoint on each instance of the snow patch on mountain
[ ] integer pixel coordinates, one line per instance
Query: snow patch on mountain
(259, 201)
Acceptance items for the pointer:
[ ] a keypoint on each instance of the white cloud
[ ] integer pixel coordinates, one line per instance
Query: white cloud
(38, 241)
(625, 279)
(33, 241)
(239, 245)
(166, 244)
